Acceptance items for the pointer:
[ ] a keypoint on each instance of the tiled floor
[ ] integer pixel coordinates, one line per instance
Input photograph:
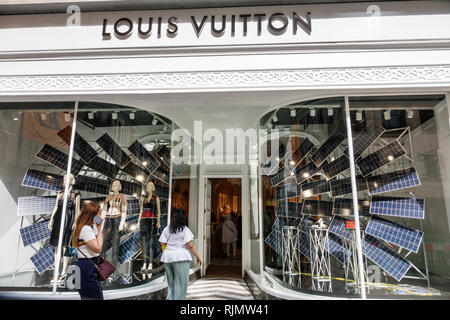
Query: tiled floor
(219, 289)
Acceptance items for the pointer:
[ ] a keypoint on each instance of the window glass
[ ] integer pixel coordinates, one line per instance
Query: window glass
(302, 179)
(127, 171)
(33, 164)
(401, 151)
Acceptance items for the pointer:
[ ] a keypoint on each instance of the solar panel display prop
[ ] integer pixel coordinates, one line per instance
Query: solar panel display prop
(94, 185)
(35, 205)
(272, 163)
(287, 191)
(81, 146)
(332, 169)
(305, 172)
(164, 155)
(386, 258)
(162, 174)
(144, 156)
(392, 181)
(289, 209)
(129, 247)
(113, 150)
(317, 208)
(365, 139)
(104, 167)
(131, 188)
(136, 172)
(398, 207)
(337, 250)
(282, 175)
(344, 186)
(395, 233)
(43, 259)
(299, 153)
(34, 233)
(59, 159)
(314, 188)
(344, 207)
(304, 245)
(281, 222)
(43, 180)
(162, 191)
(327, 148)
(133, 205)
(381, 158)
(274, 241)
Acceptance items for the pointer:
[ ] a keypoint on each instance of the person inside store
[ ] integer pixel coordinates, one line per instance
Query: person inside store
(229, 235)
(177, 240)
(88, 239)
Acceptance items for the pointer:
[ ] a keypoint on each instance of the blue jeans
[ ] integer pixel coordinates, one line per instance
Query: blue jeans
(90, 286)
(177, 276)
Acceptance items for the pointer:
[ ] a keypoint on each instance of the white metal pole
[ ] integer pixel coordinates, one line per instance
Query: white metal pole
(66, 191)
(169, 201)
(355, 199)
(260, 213)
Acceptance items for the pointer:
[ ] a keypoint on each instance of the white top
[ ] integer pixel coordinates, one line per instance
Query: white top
(176, 249)
(87, 233)
(229, 231)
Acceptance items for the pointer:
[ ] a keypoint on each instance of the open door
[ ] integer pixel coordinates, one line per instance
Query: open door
(207, 227)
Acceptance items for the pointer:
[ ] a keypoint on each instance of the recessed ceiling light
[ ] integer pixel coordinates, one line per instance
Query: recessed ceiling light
(312, 112)
(90, 115)
(144, 163)
(114, 115)
(132, 115)
(293, 113)
(292, 163)
(410, 114)
(387, 115)
(306, 175)
(390, 157)
(358, 115)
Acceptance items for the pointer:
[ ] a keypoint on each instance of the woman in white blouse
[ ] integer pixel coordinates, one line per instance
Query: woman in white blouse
(178, 240)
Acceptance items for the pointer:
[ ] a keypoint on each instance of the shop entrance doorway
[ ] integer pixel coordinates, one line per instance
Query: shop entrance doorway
(223, 228)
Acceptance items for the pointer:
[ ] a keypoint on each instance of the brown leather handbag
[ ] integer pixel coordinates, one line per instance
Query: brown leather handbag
(104, 267)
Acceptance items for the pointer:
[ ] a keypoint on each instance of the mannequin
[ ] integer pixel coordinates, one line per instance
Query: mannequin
(149, 223)
(114, 213)
(72, 212)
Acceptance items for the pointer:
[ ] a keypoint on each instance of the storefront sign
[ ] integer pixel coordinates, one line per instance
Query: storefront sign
(277, 24)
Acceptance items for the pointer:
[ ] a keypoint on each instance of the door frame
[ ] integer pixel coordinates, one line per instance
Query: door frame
(245, 217)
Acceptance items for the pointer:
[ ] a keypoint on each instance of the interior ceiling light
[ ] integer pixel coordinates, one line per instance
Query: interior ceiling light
(387, 115)
(275, 118)
(132, 115)
(293, 113)
(358, 115)
(114, 115)
(90, 115)
(330, 112)
(312, 112)
(410, 114)
(67, 117)
(43, 116)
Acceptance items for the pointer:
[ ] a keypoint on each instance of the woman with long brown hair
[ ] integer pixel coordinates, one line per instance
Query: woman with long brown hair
(89, 241)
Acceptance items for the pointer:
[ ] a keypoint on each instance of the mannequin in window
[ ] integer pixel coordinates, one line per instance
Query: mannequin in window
(72, 212)
(114, 212)
(149, 223)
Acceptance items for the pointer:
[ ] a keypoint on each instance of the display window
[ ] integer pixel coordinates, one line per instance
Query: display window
(120, 159)
(309, 203)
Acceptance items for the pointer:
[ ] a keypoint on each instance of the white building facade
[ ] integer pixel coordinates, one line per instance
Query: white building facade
(297, 71)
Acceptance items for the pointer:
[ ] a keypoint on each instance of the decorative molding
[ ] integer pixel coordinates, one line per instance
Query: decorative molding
(198, 81)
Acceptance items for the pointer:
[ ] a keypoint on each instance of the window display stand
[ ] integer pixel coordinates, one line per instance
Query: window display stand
(291, 257)
(351, 263)
(320, 259)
